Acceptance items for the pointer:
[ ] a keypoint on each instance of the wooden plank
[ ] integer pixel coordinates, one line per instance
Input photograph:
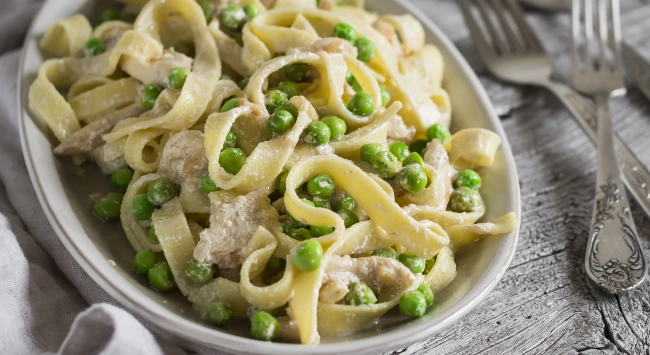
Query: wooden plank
(543, 305)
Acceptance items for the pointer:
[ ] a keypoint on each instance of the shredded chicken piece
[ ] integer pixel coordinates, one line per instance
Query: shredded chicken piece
(184, 157)
(376, 271)
(232, 224)
(89, 138)
(387, 30)
(399, 131)
(330, 45)
(436, 156)
(156, 70)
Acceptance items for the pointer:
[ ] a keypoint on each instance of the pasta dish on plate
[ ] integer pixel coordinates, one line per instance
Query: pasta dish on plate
(287, 163)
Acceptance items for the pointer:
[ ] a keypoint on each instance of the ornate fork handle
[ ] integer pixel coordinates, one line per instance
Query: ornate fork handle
(635, 176)
(614, 257)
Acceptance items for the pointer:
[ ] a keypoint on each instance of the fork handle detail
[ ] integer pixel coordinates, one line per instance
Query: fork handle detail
(634, 174)
(614, 259)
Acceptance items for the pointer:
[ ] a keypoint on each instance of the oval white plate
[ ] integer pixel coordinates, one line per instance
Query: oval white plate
(105, 254)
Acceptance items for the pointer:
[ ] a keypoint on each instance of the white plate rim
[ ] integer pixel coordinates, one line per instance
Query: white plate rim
(143, 307)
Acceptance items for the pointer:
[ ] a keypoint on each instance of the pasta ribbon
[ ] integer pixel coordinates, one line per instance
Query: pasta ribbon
(472, 148)
(137, 234)
(67, 38)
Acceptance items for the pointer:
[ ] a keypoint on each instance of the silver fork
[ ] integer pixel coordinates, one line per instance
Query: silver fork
(518, 57)
(614, 258)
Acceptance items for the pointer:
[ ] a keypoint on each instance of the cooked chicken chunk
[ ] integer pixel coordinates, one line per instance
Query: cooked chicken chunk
(89, 138)
(232, 224)
(184, 157)
(399, 131)
(156, 70)
(376, 271)
(436, 156)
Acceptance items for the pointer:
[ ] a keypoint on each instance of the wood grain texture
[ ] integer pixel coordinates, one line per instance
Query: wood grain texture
(544, 304)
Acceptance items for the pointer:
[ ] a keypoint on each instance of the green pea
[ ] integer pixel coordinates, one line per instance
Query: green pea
(231, 141)
(352, 81)
(306, 201)
(108, 207)
(296, 71)
(232, 15)
(181, 48)
(121, 178)
(109, 15)
(399, 150)
(360, 294)
(386, 253)
(289, 107)
(365, 48)
(230, 104)
(176, 78)
(344, 202)
(276, 264)
(300, 234)
(142, 208)
(418, 146)
(385, 164)
(438, 131)
(225, 77)
(412, 304)
(289, 88)
(264, 326)
(361, 104)
(321, 185)
(160, 191)
(251, 10)
(200, 272)
(275, 98)
(143, 262)
(149, 95)
(321, 202)
(307, 255)
(368, 151)
(244, 82)
(152, 235)
(337, 126)
(208, 10)
(425, 290)
(319, 231)
(218, 312)
(161, 277)
(232, 160)
(93, 47)
(207, 185)
(318, 133)
(282, 184)
(385, 96)
(413, 159)
(428, 265)
(412, 261)
(413, 179)
(464, 199)
(349, 217)
(280, 122)
(345, 31)
(468, 178)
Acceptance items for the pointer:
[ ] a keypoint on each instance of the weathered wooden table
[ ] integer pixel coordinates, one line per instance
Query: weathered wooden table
(543, 304)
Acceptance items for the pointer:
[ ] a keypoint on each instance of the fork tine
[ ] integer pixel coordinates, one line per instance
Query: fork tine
(514, 41)
(503, 48)
(477, 35)
(603, 34)
(589, 34)
(616, 23)
(575, 34)
(528, 34)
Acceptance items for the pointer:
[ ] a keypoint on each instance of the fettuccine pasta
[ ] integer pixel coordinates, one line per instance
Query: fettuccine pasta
(288, 162)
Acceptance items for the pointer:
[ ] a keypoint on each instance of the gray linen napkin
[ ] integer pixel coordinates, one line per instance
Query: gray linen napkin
(45, 294)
